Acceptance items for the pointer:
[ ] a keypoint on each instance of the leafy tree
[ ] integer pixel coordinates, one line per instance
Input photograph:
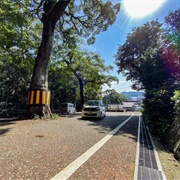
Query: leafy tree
(172, 57)
(129, 55)
(176, 98)
(18, 38)
(87, 17)
(89, 69)
(171, 45)
(154, 74)
(172, 21)
(113, 97)
(142, 60)
(158, 105)
(92, 91)
(63, 86)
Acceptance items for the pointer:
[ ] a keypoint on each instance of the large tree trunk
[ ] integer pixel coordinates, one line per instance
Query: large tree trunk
(39, 96)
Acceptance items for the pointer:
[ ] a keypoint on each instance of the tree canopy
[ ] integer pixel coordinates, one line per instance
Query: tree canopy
(150, 59)
(31, 28)
(111, 96)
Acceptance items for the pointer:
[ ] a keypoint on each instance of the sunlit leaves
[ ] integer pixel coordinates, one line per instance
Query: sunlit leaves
(18, 39)
(150, 58)
(171, 45)
(130, 55)
(113, 97)
(90, 17)
(89, 69)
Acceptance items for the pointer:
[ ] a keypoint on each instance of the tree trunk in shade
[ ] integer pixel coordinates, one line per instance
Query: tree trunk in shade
(39, 96)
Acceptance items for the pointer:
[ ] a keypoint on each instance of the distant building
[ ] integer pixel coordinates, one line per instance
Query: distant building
(128, 105)
(125, 106)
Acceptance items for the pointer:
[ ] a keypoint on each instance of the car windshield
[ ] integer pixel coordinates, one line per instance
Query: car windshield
(93, 103)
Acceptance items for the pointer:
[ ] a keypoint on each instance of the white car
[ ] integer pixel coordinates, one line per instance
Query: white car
(67, 108)
(94, 108)
(136, 108)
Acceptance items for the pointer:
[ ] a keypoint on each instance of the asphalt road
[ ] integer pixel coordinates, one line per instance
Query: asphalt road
(112, 160)
(70, 148)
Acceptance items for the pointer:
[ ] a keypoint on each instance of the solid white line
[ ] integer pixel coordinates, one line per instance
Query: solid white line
(137, 151)
(157, 157)
(71, 168)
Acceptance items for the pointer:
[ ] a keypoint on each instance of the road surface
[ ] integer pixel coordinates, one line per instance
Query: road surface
(70, 148)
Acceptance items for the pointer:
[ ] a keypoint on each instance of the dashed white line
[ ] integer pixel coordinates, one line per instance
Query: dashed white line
(71, 168)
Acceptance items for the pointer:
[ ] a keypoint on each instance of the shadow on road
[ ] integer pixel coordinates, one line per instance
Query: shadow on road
(6, 122)
(3, 131)
(110, 122)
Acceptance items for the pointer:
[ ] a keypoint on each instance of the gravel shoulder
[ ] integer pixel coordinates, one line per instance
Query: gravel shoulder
(169, 164)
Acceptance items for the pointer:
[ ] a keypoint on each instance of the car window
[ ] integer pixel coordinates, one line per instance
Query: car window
(93, 103)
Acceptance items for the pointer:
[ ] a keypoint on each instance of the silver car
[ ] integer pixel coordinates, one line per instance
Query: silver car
(94, 108)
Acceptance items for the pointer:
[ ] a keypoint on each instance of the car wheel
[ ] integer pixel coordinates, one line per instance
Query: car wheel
(101, 117)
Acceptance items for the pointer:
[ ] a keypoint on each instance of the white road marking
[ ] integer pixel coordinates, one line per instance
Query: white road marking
(157, 157)
(71, 168)
(137, 151)
(137, 154)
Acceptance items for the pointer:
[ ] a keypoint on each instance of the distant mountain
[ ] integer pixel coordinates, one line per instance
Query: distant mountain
(133, 95)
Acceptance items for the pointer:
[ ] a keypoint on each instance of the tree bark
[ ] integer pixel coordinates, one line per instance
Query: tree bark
(39, 79)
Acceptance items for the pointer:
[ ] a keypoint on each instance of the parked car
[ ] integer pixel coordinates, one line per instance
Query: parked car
(67, 108)
(136, 108)
(94, 108)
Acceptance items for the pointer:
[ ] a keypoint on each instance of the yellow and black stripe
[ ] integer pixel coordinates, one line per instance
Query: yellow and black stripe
(39, 97)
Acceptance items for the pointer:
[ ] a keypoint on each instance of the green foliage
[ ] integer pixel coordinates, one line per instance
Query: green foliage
(53, 116)
(129, 55)
(113, 97)
(154, 74)
(176, 98)
(90, 71)
(21, 25)
(158, 111)
(150, 58)
(63, 86)
(90, 17)
(171, 45)
(18, 39)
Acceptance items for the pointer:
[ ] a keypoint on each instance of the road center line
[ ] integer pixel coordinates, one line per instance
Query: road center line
(71, 168)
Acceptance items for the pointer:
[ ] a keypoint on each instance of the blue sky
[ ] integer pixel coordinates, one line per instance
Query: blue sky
(107, 42)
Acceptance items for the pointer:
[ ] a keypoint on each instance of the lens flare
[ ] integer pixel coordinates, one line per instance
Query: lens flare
(141, 8)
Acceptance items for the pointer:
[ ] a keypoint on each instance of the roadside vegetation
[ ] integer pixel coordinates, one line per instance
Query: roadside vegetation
(111, 96)
(150, 58)
(42, 48)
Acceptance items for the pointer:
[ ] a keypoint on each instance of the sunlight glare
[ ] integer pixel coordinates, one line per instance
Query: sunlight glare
(141, 8)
